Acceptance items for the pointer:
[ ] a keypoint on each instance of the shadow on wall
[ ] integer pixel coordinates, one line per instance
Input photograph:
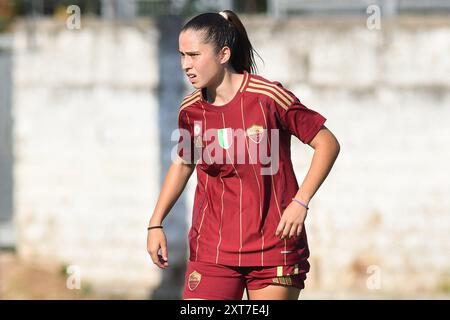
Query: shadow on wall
(6, 153)
(172, 283)
(170, 93)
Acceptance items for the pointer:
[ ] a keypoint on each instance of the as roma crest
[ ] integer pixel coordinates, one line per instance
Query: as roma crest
(255, 133)
(194, 280)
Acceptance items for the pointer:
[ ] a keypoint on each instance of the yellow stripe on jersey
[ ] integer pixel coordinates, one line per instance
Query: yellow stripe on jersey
(190, 101)
(282, 104)
(273, 90)
(296, 269)
(190, 95)
(279, 89)
(189, 121)
(244, 82)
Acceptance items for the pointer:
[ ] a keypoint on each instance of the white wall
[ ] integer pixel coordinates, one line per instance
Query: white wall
(85, 116)
(386, 95)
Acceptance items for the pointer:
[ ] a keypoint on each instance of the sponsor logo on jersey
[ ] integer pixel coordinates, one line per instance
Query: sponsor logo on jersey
(198, 142)
(197, 129)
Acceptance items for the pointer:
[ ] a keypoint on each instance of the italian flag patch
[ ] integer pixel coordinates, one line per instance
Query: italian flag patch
(225, 137)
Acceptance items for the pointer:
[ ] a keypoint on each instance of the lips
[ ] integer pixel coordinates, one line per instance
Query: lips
(191, 77)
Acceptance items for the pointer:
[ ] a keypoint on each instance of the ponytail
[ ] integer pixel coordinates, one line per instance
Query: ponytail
(226, 29)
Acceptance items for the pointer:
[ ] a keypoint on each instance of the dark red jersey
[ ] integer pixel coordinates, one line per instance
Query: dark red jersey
(245, 177)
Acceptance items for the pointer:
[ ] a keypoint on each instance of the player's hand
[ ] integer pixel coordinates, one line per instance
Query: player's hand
(292, 220)
(157, 247)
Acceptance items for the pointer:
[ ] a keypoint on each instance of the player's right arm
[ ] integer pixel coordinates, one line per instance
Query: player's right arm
(174, 184)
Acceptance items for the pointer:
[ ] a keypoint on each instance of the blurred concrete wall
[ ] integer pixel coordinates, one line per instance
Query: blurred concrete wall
(86, 148)
(6, 153)
(383, 213)
(86, 157)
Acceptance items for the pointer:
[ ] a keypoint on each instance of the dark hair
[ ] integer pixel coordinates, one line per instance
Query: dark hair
(228, 32)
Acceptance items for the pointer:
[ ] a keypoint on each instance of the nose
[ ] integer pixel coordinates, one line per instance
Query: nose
(186, 63)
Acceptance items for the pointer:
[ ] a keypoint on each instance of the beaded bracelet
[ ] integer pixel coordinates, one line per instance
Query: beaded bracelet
(301, 203)
(155, 227)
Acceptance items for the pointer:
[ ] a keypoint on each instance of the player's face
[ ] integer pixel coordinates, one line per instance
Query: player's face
(199, 60)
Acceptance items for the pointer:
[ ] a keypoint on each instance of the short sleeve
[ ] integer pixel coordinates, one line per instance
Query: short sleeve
(185, 147)
(299, 120)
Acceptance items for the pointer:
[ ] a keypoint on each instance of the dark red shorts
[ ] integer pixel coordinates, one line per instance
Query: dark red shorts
(218, 282)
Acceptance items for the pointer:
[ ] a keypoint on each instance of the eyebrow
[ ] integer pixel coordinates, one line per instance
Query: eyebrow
(190, 52)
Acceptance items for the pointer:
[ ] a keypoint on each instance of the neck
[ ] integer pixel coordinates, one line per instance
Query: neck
(225, 88)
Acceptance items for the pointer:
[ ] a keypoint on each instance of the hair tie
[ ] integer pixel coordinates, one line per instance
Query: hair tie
(301, 203)
(155, 227)
(223, 14)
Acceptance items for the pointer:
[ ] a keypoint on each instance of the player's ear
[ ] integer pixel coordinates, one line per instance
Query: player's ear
(224, 55)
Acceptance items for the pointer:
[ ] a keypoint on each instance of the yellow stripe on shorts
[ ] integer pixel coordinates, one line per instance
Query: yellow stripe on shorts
(279, 271)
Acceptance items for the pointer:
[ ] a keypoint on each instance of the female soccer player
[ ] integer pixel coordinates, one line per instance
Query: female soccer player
(248, 217)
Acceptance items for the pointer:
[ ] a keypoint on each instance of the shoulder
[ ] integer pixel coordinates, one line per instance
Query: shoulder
(272, 90)
(190, 100)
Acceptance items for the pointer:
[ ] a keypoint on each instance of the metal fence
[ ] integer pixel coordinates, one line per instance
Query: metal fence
(133, 8)
(123, 9)
(344, 7)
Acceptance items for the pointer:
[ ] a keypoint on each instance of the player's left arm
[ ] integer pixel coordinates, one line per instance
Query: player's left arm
(326, 149)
